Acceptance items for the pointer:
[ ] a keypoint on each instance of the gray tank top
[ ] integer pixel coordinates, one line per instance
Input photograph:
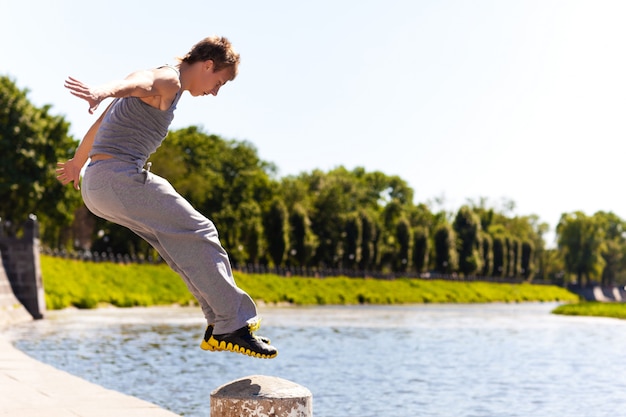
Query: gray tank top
(132, 130)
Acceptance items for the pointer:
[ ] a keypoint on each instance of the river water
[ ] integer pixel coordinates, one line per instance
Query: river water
(384, 361)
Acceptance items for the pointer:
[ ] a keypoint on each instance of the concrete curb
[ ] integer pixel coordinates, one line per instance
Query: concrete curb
(30, 388)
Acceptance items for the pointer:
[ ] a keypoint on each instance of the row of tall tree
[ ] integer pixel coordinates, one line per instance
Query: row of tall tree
(347, 219)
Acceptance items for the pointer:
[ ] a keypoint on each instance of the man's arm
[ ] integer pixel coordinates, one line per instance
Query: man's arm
(160, 83)
(70, 171)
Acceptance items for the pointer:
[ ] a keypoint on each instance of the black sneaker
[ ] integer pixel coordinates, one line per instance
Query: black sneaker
(205, 341)
(242, 341)
(209, 331)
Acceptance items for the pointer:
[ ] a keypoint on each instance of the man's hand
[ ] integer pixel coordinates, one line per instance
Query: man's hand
(81, 90)
(69, 172)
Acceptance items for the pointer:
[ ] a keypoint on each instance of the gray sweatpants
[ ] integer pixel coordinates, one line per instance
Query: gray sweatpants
(126, 194)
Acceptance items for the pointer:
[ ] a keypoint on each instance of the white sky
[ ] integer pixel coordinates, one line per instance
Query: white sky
(519, 100)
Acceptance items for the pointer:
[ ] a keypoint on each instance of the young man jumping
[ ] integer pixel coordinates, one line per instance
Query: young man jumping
(118, 188)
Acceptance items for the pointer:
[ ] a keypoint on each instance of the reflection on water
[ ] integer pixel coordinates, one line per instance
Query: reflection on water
(433, 360)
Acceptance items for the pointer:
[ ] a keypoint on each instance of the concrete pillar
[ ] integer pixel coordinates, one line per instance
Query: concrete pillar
(20, 257)
(11, 310)
(261, 396)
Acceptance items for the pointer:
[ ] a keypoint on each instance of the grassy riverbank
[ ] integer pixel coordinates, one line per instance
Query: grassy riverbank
(613, 310)
(87, 285)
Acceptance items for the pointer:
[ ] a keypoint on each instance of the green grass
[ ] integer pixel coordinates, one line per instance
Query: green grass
(342, 290)
(596, 309)
(86, 285)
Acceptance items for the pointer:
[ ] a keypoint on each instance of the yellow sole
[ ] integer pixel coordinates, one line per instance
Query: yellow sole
(221, 346)
(205, 346)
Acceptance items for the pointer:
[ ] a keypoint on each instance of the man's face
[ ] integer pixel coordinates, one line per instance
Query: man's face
(211, 81)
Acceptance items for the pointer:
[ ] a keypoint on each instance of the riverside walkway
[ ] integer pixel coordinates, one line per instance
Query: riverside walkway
(29, 388)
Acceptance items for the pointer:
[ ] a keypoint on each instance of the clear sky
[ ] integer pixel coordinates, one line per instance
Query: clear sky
(520, 100)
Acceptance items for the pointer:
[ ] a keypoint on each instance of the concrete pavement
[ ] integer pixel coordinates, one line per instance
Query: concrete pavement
(29, 388)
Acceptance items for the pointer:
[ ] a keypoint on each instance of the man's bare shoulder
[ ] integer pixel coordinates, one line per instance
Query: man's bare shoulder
(156, 87)
(166, 79)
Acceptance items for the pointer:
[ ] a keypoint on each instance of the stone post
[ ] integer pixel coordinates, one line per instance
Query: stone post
(20, 258)
(261, 396)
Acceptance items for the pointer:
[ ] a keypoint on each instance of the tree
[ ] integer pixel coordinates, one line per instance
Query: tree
(487, 251)
(614, 251)
(331, 200)
(527, 262)
(352, 241)
(499, 256)
(302, 241)
(330, 204)
(517, 229)
(581, 241)
(250, 235)
(421, 249)
(553, 266)
(485, 214)
(32, 141)
(446, 256)
(276, 225)
(468, 231)
(613, 255)
(368, 241)
(515, 258)
(404, 241)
